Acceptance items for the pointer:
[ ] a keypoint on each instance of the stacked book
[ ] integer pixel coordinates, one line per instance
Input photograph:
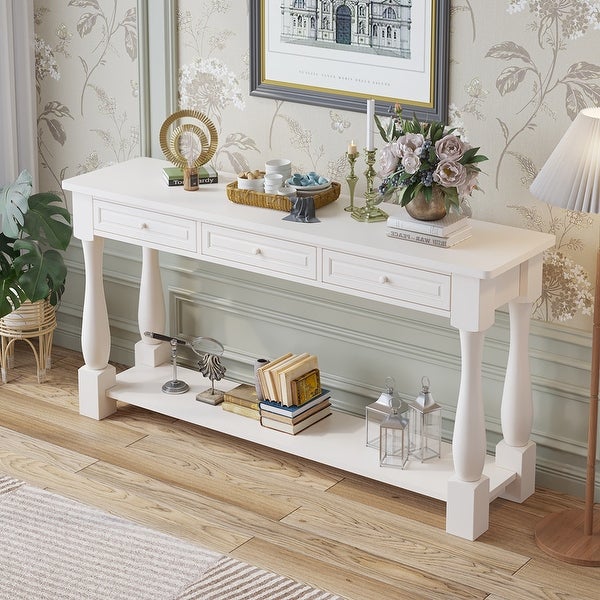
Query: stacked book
(289, 379)
(294, 398)
(443, 233)
(242, 400)
(294, 419)
(173, 176)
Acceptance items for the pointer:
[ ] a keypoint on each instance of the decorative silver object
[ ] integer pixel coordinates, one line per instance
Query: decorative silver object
(394, 439)
(175, 385)
(202, 346)
(425, 418)
(210, 366)
(376, 412)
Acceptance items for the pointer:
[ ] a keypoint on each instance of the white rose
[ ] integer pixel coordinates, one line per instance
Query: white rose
(411, 142)
(388, 162)
(411, 162)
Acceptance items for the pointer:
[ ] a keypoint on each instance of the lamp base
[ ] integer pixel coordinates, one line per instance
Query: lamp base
(561, 535)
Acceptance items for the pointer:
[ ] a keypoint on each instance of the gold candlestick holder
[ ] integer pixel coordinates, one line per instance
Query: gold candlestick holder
(370, 213)
(351, 179)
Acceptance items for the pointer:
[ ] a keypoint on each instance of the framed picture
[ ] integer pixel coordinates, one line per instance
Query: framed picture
(339, 53)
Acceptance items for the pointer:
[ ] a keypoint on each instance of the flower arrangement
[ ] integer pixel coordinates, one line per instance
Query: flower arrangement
(426, 157)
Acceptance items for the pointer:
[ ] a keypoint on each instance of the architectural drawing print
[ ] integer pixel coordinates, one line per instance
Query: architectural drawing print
(380, 26)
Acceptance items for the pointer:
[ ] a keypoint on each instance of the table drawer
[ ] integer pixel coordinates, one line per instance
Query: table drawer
(409, 284)
(234, 247)
(146, 227)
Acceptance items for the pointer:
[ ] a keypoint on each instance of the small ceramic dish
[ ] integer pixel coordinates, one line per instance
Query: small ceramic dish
(257, 185)
(308, 188)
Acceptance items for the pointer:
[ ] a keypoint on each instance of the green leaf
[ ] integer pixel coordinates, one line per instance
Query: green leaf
(13, 204)
(43, 272)
(48, 220)
(11, 296)
(451, 196)
(7, 256)
(436, 131)
(470, 157)
(382, 131)
(478, 159)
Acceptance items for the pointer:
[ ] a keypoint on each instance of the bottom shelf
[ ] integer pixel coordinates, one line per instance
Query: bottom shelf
(337, 441)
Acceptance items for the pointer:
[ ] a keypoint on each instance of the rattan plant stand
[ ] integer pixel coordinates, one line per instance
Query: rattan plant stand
(28, 322)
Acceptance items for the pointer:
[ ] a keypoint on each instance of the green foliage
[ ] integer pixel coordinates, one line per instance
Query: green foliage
(34, 229)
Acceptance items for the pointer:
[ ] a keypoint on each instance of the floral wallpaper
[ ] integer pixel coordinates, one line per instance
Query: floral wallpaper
(520, 70)
(87, 86)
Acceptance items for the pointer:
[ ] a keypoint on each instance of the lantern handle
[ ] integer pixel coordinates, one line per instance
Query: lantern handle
(390, 383)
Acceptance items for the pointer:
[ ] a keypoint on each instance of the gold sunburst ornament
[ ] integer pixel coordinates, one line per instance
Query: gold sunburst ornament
(188, 139)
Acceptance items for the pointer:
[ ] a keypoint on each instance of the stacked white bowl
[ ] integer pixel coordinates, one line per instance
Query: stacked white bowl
(282, 166)
(273, 182)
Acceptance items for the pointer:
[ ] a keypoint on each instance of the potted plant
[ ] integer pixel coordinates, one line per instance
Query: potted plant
(34, 229)
(428, 164)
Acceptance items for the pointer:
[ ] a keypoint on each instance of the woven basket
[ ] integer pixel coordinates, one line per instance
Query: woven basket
(277, 202)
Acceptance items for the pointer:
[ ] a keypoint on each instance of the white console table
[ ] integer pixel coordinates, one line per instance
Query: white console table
(129, 202)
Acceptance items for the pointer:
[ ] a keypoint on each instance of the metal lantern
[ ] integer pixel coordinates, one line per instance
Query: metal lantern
(425, 417)
(377, 411)
(394, 439)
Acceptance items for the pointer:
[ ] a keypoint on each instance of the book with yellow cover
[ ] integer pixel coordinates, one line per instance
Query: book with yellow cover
(243, 394)
(305, 387)
(244, 411)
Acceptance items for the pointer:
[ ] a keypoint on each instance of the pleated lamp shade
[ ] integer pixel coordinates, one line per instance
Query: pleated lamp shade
(571, 176)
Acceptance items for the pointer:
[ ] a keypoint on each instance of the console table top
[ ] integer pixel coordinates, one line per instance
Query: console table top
(492, 250)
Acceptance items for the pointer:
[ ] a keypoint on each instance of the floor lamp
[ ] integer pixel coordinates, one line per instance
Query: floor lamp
(571, 179)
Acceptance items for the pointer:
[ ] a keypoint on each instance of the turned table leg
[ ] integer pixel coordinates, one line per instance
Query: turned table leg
(516, 451)
(96, 376)
(151, 312)
(467, 509)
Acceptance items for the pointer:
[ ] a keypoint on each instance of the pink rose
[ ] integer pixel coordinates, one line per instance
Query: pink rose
(388, 162)
(450, 173)
(411, 162)
(450, 147)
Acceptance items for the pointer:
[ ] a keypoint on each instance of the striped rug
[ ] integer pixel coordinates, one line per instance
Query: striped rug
(52, 548)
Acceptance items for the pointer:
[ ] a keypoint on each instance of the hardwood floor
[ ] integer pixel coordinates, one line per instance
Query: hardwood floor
(354, 537)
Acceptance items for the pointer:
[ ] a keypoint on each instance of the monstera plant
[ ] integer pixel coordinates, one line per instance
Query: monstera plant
(34, 229)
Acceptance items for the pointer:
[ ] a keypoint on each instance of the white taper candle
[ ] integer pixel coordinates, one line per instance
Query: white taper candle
(371, 124)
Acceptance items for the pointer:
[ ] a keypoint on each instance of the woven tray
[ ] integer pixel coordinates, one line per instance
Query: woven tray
(277, 202)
